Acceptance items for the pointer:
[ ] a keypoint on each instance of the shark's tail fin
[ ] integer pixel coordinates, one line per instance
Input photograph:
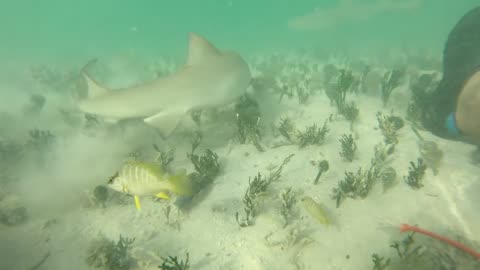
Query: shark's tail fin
(94, 89)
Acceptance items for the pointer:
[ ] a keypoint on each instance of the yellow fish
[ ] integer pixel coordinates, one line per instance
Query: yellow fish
(148, 179)
(315, 210)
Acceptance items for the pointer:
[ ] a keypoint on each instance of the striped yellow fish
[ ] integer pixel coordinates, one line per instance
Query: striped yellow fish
(148, 179)
(315, 210)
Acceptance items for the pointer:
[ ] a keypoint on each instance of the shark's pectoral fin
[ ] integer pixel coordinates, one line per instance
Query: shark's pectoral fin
(166, 121)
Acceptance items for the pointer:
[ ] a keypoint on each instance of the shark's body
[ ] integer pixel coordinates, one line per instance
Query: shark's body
(211, 77)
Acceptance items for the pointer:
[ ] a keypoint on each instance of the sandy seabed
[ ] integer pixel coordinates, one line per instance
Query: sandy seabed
(62, 223)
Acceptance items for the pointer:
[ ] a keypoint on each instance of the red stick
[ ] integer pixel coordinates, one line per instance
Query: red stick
(406, 228)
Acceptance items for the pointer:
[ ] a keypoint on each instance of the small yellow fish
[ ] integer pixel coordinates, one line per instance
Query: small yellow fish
(148, 179)
(315, 210)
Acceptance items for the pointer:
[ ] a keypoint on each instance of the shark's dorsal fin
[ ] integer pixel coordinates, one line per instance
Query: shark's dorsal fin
(94, 89)
(199, 49)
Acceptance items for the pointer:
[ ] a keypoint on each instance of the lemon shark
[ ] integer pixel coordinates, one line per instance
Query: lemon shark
(209, 78)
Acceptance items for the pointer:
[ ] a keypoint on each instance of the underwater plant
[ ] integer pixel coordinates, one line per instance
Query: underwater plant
(391, 80)
(11, 154)
(357, 185)
(91, 121)
(389, 125)
(196, 115)
(173, 263)
(330, 71)
(338, 95)
(277, 173)
(322, 167)
(135, 155)
(352, 186)
(429, 254)
(350, 111)
(207, 165)
(389, 178)
(36, 104)
(287, 128)
(164, 157)
(40, 140)
(58, 80)
(100, 193)
(416, 173)
(313, 135)
(288, 201)
(348, 147)
(303, 92)
(248, 120)
(380, 263)
(421, 90)
(12, 211)
(430, 152)
(106, 254)
(256, 187)
(344, 82)
(381, 154)
(175, 224)
(366, 70)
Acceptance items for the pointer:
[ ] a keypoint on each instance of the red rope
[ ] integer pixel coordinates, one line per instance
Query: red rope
(406, 228)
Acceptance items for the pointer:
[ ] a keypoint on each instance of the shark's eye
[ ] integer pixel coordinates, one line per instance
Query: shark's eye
(111, 179)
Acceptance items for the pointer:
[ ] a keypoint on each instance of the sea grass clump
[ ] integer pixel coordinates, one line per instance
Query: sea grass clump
(430, 152)
(358, 185)
(40, 140)
(338, 95)
(207, 168)
(313, 135)
(100, 193)
(91, 122)
(288, 201)
(420, 253)
(287, 129)
(164, 157)
(108, 255)
(303, 92)
(12, 210)
(380, 263)
(330, 72)
(58, 80)
(416, 172)
(389, 125)
(256, 187)
(389, 178)
(11, 154)
(382, 153)
(391, 80)
(354, 185)
(36, 104)
(349, 147)
(350, 111)
(248, 121)
(173, 263)
(207, 165)
(421, 90)
(363, 78)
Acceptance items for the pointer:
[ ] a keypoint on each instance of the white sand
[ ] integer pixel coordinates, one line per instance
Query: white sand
(210, 233)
